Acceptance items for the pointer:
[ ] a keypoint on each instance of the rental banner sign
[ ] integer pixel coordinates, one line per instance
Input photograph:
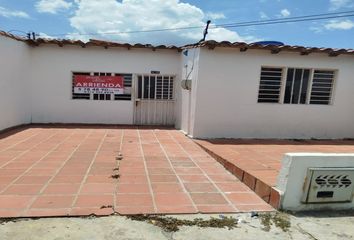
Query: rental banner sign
(99, 84)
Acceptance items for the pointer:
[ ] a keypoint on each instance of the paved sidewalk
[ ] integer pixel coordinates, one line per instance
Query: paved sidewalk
(74, 171)
(324, 226)
(257, 162)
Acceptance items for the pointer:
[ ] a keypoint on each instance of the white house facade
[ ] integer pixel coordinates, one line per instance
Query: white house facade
(256, 94)
(237, 90)
(38, 84)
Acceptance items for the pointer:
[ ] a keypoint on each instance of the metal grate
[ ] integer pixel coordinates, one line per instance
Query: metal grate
(322, 86)
(326, 185)
(296, 86)
(155, 87)
(270, 85)
(333, 181)
(128, 79)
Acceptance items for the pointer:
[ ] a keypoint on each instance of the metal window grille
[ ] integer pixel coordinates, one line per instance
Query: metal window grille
(270, 85)
(322, 87)
(297, 82)
(127, 96)
(296, 85)
(155, 87)
(101, 96)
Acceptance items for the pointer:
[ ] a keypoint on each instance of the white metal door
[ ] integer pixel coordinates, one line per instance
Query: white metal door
(155, 100)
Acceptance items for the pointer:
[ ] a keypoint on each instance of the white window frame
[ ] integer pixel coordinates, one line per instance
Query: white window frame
(104, 95)
(309, 88)
(281, 83)
(293, 82)
(334, 82)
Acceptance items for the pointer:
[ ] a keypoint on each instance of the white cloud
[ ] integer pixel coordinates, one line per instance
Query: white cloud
(44, 35)
(339, 25)
(337, 4)
(52, 6)
(332, 25)
(91, 16)
(263, 15)
(215, 16)
(4, 12)
(285, 13)
(316, 29)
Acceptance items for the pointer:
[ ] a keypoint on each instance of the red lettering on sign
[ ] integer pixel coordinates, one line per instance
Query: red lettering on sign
(99, 81)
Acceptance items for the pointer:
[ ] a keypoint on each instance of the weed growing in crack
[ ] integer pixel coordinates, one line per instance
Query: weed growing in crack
(280, 220)
(171, 224)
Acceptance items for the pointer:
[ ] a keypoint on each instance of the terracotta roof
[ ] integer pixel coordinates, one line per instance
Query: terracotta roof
(209, 44)
(273, 48)
(91, 42)
(97, 43)
(9, 35)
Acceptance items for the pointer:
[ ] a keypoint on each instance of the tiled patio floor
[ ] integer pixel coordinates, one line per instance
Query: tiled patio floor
(258, 162)
(72, 171)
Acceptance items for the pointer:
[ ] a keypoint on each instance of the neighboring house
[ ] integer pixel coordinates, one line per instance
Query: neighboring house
(237, 90)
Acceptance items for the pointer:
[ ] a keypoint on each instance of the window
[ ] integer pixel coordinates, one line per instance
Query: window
(296, 86)
(322, 86)
(79, 95)
(127, 80)
(270, 85)
(155, 87)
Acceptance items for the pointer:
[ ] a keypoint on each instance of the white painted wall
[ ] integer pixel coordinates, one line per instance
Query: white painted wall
(226, 98)
(186, 104)
(293, 174)
(179, 105)
(14, 102)
(36, 86)
(51, 74)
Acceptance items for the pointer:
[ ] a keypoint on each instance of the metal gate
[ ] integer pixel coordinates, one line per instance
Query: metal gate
(154, 100)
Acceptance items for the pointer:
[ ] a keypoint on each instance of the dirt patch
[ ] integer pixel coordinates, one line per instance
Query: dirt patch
(106, 206)
(14, 220)
(115, 176)
(6, 220)
(280, 220)
(119, 157)
(171, 224)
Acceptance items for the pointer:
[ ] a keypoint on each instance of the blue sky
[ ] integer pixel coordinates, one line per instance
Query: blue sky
(106, 18)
